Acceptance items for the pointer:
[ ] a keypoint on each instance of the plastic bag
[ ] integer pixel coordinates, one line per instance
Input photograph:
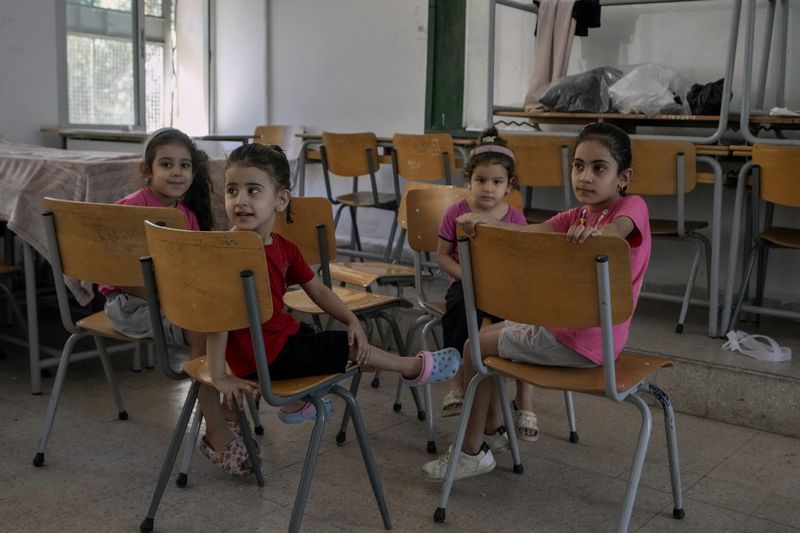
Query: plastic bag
(651, 89)
(706, 99)
(587, 91)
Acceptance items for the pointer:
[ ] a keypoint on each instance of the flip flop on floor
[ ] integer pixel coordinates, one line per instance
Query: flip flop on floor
(307, 412)
(452, 403)
(437, 366)
(526, 420)
(233, 459)
(233, 426)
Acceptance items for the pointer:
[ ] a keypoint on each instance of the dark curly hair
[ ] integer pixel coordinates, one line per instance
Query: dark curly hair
(489, 137)
(198, 197)
(269, 158)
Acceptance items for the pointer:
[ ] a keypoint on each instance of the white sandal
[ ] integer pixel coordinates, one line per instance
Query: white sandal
(758, 347)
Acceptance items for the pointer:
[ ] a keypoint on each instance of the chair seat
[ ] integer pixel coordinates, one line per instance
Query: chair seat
(365, 199)
(631, 370)
(198, 370)
(785, 237)
(355, 300)
(536, 216)
(98, 323)
(670, 227)
(438, 306)
(367, 273)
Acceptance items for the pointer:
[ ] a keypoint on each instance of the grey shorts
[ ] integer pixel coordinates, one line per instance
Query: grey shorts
(130, 316)
(537, 345)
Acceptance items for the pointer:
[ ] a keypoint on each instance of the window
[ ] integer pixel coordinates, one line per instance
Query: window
(104, 85)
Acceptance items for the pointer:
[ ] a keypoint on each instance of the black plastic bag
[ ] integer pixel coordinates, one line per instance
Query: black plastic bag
(587, 91)
(706, 99)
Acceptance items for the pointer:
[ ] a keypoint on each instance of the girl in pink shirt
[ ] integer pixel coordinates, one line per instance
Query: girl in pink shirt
(601, 171)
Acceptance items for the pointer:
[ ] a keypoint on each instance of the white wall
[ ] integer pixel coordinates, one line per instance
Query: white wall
(28, 70)
(240, 73)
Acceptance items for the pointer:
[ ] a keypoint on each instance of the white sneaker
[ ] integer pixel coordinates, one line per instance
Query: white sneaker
(498, 441)
(468, 465)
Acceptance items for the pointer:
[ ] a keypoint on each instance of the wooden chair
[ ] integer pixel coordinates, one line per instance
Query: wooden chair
(95, 243)
(425, 208)
(543, 161)
(218, 281)
(774, 182)
(312, 232)
(577, 286)
(667, 168)
(287, 137)
(355, 155)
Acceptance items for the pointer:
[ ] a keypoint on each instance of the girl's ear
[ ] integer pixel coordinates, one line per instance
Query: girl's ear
(625, 177)
(284, 197)
(144, 170)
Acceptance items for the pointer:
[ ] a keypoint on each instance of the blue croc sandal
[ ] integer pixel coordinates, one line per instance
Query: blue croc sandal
(308, 412)
(437, 366)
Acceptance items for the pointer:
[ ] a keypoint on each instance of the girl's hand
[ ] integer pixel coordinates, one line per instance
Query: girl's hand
(234, 388)
(468, 221)
(357, 340)
(579, 233)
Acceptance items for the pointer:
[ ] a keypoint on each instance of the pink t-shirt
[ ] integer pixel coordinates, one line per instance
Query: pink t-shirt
(144, 197)
(448, 228)
(587, 341)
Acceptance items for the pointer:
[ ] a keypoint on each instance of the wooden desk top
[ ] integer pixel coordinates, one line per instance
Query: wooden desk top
(458, 141)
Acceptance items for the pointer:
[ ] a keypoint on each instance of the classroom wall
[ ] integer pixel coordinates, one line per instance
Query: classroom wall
(28, 70)
(692, 37)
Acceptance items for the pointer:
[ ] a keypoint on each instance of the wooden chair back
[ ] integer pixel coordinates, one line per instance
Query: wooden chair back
(345, 153)
(536, 278)
(655, 167)
(425, 209)
(422, 157)
(199, 276)
(102, 243)
(284, 136)
(540, 159)
(307, 214)
(778, 179)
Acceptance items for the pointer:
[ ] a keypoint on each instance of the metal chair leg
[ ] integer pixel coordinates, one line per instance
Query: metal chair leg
(55, 396)
(310, 464)
(341, 437)
(189, 445)
(687, 295)
(672, 448)
(253, 408)
(172, 454)
(638, 462)
(110, 377)
(366, 453)
(573, 431)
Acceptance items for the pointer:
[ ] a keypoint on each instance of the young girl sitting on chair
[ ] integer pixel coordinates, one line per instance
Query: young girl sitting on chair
(490, 173)
(176, 175)
(601, 171)
(257, 190)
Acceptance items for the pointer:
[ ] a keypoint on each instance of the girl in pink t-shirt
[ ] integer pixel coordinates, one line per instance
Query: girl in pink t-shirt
(601, 171)
(490, 173)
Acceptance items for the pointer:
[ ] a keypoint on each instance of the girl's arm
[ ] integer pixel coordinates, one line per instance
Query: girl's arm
(468, 221)
(445, 261)
(231, 387)
(619, 227)
(327, 300)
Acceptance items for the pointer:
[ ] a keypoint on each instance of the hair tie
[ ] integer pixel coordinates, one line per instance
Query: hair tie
(492, 148)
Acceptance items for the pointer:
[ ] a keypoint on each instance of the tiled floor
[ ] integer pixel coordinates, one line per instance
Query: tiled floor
(100, 472)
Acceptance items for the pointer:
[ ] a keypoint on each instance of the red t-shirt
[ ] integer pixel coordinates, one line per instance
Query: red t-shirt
(286, 266)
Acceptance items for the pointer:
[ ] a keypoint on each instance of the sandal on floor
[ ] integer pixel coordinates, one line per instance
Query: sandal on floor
(233, 460)
(452, 403)
(437, 366)
(526, 420)
(307, 412)
(233, 426)
(497, 441)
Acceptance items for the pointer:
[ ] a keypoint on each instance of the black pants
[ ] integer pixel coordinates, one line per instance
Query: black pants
(454, 321)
